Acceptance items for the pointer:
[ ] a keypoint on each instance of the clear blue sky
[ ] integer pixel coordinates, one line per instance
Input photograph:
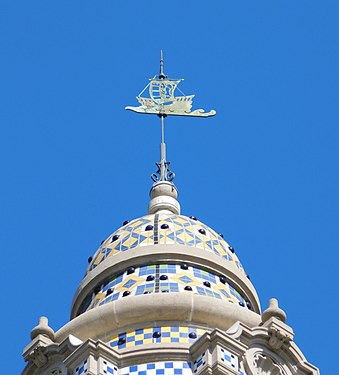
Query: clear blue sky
(75, 164)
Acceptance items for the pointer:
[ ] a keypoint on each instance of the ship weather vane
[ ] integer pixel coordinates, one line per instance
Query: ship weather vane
(163, 102)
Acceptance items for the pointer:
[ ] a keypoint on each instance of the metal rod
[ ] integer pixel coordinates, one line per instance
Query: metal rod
(161, 73)
(162, 129)
(162, 151)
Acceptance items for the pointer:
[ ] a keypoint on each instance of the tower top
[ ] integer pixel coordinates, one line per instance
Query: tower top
(162, 102)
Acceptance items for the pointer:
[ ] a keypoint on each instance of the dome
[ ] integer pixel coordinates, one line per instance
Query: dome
(164, 253)
(165, 229)
(162, 259)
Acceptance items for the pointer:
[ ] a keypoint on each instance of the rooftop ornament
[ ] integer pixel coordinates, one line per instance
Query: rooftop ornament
(163, 102)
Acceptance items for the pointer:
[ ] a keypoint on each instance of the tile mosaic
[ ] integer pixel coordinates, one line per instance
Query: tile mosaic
(81, 369)
(165, 229)
(229, 359)
(159, 368)
(163, 278)
(199, 363)
(108, 368)
(163, 334)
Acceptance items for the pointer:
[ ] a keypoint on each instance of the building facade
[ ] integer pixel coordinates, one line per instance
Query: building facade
(166, 294)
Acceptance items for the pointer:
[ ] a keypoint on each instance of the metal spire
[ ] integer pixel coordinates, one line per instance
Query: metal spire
(163, 173)
(162, 74)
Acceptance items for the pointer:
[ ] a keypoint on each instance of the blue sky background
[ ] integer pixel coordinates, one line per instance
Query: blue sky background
(75, 164)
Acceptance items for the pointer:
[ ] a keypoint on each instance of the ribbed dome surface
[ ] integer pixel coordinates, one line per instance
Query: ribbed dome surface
(164, 229)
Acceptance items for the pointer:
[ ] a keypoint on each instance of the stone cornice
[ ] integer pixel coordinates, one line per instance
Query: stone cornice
(186, 307)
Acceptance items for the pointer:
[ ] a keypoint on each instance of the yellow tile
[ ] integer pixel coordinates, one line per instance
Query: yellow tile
(180, 220)
(177, 227)
(189, 237)
(201, 246)
(115, 251)
(182, 236)
(123, 234)
(99, 259)
(166, 340)
(148, 341)
(131, 241)
(175, 334)
(219, 249)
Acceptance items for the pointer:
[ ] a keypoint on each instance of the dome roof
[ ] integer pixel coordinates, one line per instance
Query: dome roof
(164, 229)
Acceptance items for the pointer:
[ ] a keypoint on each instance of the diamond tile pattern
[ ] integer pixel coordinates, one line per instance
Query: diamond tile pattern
(109, 368)
(81, 369)
(164, 334)
(229, 359)
(181, 231)
(199, 363)
(163, 278)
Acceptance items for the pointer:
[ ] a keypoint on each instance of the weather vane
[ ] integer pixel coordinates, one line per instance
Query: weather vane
(162, 102)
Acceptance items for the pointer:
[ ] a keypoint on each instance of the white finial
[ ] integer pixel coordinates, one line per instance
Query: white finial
(42, 329)
(164, 198)
(273, 310)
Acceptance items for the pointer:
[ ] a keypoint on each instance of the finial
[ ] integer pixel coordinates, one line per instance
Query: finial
(273, 310)
(162, 74)
(164, 198)
(42, 329)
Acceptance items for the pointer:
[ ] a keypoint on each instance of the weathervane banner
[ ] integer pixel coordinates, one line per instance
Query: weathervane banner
(162, 100)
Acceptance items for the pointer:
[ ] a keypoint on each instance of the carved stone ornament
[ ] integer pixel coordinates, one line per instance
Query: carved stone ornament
(277, 338)
(265, 366)
(38, 357)
(259, 362)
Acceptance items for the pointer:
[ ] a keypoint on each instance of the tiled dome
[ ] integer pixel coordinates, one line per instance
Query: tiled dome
(164, 229)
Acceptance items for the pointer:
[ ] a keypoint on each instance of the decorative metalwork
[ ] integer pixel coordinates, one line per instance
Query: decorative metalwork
(163, 102)
(168, 174)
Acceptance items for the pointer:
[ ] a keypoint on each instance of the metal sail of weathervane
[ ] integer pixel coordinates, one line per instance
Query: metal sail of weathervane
(163, 102)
